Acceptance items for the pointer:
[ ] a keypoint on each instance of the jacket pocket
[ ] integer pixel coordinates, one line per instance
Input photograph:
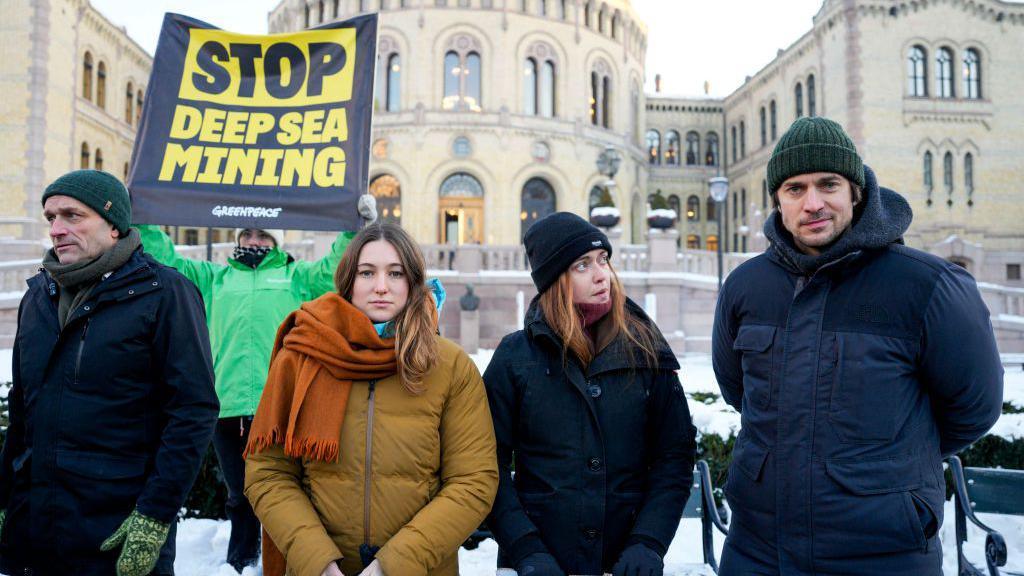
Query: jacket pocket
(755, 343)
(867, 508)
(874, 387)
(748, 485)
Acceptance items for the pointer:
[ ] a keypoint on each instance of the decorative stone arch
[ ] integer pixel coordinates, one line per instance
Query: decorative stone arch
(463, 38)
(431, 200)
(955, 249)
(392, 42)
(558, 180)
(543, 47)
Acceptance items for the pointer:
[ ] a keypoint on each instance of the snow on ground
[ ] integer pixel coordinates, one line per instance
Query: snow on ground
(202, 545)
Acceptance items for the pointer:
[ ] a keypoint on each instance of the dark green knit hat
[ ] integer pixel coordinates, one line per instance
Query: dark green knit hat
(98, 190)
(814, 145)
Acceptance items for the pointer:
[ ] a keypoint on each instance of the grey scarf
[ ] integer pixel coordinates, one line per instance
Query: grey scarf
(77, 280)
(884, 218)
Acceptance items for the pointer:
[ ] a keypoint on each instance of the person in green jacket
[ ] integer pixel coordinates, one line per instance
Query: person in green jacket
(246, 301)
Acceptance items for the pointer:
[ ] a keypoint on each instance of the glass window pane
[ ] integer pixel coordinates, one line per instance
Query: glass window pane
(394, 82)
(452, 74)
(547, 90)
(530, 87)
(473, 80)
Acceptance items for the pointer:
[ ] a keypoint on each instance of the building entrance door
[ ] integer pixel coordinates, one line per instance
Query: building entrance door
(461, 220)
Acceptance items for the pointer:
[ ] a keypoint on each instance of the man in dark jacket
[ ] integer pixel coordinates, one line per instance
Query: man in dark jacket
(857, 365)
(112, 405)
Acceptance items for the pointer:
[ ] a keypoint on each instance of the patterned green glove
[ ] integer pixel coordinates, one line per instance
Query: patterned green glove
(142, 538)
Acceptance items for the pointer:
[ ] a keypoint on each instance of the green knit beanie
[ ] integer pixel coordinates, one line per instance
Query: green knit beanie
(98, 190)
(814, 145)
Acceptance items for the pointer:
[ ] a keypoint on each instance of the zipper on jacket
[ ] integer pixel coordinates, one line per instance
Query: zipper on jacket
(368, 464)
(81, 346)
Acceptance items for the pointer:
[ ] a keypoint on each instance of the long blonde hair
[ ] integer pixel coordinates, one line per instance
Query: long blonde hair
(415, 325)
(561, 315)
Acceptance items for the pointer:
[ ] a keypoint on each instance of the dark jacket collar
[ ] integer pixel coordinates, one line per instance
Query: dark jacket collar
(615, 356)
(138, 261)
(883, 220)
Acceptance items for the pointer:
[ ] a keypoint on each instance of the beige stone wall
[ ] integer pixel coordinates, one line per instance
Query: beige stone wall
(45, 116)
(857, 50)
(683, 179)
(415, 144)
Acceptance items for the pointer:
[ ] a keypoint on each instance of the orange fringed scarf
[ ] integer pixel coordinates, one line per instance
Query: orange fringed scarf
(303, 402)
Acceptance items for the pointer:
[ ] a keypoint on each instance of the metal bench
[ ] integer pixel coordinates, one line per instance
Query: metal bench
(702, 505)
(987, 490)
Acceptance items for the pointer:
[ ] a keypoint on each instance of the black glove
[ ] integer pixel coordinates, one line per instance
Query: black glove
(639, 560)
(539, 564)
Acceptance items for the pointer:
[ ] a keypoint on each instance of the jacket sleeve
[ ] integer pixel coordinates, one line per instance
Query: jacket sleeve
(318, 276)
(161, 248)
(960, 363)
(182, 365)
(512, 528)
(724, 359)
(14, 439)
(469, 480)
(273, 485)
(671, 440)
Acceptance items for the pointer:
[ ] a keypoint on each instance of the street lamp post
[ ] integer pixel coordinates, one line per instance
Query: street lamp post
(719, 188)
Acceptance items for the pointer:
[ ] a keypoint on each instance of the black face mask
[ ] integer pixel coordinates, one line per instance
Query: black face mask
(250, 256)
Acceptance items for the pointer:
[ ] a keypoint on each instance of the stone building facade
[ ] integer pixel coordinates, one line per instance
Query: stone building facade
(73, 85)
(492, 113)
(929, 92)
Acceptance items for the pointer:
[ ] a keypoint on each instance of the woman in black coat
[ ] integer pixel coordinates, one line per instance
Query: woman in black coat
(590, 414)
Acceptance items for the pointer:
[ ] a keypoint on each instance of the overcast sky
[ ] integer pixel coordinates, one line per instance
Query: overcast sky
(689, 41)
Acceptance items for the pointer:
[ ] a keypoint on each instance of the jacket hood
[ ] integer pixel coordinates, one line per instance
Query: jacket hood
(614, 356)
(882, 221)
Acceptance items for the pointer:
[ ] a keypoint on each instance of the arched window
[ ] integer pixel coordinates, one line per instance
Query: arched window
(394, 83)
(562, 11)
(586, 14)
(733, 134)
(673, 204)
(944, 73)
(917, 71)
(601, 17)
(138, 106)
(336, 2)
(693, 209)
(85, 156)
(305, 18)
(388, 192)
(711, 149)
(947, 176)
(774, 116)
(634, 103)
(653, 147)
(542, 7)
(615, 27)
(462, 75)
(87, 76)
(743, 139)
(811, 97)
(969, 178)
(539, 82)
(692, 242)
(927, 175)
(972, 74)
(711, 243)
(595, 92)
(530, 87)
(764, 128)
(764, 194)
(129, 98)
(798, 95)
(461, 185)
(606, 102)
(101, 85)
(672, 148)
(538, 200)
(320, 10)
(711, 208)
(98, 160)
(125, 178)
(692, 148)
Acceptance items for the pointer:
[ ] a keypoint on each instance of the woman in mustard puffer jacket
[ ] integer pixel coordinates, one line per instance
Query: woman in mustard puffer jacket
(372, 451)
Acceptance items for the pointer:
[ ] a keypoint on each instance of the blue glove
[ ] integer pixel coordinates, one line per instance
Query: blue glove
(539, 564)
(639, 560)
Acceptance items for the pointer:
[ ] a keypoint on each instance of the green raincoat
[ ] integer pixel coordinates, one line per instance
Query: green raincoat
(245, 307)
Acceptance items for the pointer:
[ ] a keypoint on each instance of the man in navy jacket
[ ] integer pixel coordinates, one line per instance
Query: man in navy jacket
(857, 365)
(112, 405)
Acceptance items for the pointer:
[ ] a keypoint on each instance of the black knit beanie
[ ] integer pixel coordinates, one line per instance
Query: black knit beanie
(98, 190)
(814, 145)
(555, 241)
